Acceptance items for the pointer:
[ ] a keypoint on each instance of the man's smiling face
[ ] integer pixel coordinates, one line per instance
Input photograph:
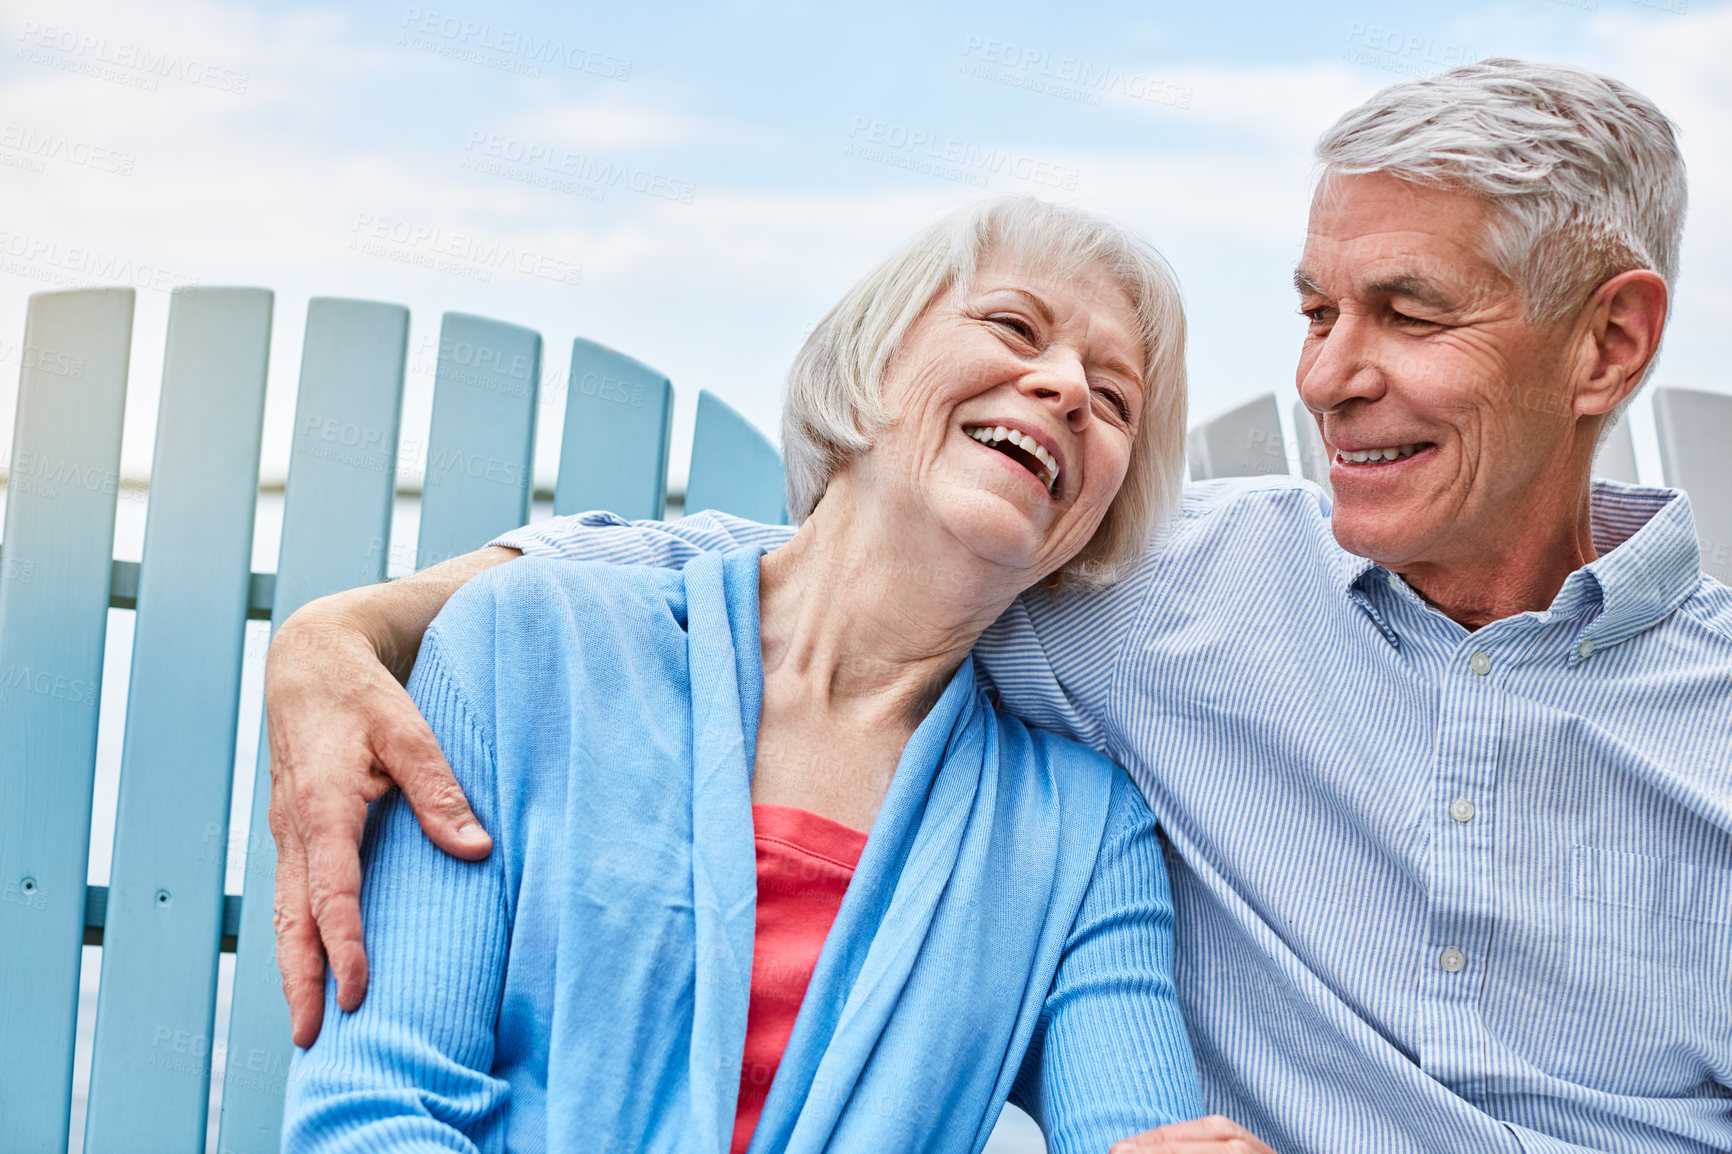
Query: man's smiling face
(1448, 414)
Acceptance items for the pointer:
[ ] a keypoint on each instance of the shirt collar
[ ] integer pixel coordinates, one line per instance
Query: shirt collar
(1648, 563)
(1351, 576)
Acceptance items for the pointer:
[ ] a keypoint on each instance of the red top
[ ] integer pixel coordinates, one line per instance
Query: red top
(805, 861)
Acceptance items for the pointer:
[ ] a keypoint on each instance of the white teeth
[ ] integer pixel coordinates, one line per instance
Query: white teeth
(989, 434)
(1393, 453)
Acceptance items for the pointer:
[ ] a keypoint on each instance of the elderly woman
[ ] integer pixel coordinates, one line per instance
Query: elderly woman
(770, 872)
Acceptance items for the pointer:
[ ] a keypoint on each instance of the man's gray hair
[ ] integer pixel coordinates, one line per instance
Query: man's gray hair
(835, 406)
(1583, 171)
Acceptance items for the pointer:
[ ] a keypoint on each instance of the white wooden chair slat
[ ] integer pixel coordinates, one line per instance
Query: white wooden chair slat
(1245, 442)
(1696, 449)
(1314, 458)
(1616, 458)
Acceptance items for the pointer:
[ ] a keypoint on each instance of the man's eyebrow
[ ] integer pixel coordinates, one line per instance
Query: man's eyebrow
(1410, 285)
(1413, 286)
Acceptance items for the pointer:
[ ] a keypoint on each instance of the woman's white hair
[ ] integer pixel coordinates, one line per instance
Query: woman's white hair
(1583, 172)
(835, 406)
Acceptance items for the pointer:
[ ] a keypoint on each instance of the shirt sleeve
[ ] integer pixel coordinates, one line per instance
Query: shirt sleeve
(599, 536)
(409, 1070)
(1050, 658)
(1110, 1057)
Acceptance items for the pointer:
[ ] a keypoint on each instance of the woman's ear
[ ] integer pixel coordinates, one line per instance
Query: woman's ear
(1625, 317)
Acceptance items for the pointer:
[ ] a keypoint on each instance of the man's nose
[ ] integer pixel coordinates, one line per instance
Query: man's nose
(1346, 367)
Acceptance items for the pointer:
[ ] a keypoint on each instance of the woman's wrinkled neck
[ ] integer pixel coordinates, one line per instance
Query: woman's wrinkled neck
(872, 612)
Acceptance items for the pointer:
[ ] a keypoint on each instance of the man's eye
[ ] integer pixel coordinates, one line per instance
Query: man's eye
(1317, 316)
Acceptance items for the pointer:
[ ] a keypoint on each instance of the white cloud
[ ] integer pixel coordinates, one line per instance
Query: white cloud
(1284, 106)
(610, 123)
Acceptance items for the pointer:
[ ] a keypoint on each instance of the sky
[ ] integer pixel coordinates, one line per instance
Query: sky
(697, 185)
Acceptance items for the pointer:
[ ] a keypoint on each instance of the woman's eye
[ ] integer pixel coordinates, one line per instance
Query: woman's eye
(1017, 325)
(1117, 401)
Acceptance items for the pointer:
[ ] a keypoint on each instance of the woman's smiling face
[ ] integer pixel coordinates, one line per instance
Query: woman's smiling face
(1014, 405)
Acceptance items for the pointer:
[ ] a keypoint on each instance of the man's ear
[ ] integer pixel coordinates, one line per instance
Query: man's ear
(1621, 333)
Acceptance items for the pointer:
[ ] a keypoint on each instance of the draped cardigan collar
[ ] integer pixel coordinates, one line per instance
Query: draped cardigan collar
(933, 977)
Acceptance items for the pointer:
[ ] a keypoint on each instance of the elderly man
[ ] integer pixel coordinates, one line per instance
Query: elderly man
(1446, 775)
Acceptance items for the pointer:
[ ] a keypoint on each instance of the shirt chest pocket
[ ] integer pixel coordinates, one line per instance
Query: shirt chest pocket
(1644, 989)
(1658, 887)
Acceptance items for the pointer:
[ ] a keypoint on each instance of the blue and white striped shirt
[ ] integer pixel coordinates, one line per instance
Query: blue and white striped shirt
(1435, 890)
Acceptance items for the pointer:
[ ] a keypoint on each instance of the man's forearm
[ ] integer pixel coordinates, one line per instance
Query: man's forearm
(393, 616)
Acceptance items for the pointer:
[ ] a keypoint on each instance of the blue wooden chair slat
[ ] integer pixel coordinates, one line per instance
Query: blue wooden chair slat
(479, 452)
(1696, 449)
(1245, 442)
(1616, 459)
(735, 469)
(336, 532)
(618, 417)
(1314, 459)
(163, 918)
(59, 536)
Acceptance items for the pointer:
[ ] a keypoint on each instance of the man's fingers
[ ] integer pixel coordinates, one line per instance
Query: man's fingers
(300, 957)
(334, 894)
(1211, 1135)
(410, 754)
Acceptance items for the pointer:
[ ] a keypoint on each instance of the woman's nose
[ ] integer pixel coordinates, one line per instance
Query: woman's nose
(1062, 384)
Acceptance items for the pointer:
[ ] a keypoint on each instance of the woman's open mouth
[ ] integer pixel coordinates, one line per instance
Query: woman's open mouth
(1021, 448)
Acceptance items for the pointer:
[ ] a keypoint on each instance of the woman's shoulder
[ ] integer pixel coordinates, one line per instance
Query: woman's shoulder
(533, 619)
(1068, 757)
(547, 595)
(1102, 817)
(1072, 766)
(542, 580)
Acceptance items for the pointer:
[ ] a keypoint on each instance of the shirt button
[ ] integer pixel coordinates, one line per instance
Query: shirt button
(1462, 809)
(1453, 960)
(1585, 649)
(1480, 663)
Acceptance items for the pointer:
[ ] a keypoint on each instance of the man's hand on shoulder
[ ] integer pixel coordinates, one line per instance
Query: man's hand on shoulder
(1211, 1135)
(342, 731)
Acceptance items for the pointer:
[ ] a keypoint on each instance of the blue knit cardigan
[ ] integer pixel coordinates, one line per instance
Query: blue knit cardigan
(1007, 934)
